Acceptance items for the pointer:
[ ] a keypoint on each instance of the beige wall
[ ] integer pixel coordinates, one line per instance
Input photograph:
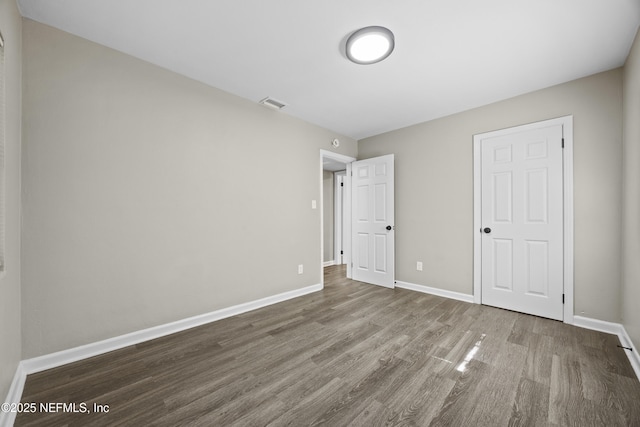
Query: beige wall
(631, 194)
(127, 226)
(434, 188)
(10, 344)
(327, 202)
(149, 197)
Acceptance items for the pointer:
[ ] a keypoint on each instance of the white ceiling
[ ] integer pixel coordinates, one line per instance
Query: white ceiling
(332, 165)
(450, 55)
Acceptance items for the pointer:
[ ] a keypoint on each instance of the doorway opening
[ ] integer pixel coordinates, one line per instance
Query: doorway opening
(335, 210)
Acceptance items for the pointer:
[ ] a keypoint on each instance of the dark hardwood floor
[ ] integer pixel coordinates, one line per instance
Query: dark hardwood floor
(354, 354)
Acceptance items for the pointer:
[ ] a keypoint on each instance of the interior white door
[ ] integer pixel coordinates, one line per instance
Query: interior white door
(522, 221)
(373, 233)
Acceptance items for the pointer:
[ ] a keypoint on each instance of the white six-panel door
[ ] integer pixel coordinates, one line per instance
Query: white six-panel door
(373, 220)
(522, 221)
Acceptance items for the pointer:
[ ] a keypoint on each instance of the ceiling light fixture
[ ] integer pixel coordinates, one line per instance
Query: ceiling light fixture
(370, 45)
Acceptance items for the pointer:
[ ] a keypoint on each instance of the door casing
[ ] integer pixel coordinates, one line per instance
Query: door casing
(347, 160)
(339, 217)
(568, 232)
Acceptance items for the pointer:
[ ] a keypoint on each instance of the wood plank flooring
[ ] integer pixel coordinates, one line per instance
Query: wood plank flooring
(354, 354)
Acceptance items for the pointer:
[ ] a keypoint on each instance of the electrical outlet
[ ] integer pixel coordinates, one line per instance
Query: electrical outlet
(300, 268)
(313, 204)
(419, 265)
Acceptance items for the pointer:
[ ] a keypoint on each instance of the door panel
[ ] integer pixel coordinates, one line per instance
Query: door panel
(380, 251)
(380, 200)
(362, 251)
(502, 193)
(373, 203)
(537, 268)
(536, 196)
(503, 264)
(522, 205)
(362, 193)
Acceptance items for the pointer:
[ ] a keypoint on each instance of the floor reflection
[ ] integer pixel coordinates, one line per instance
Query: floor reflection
(463, 366)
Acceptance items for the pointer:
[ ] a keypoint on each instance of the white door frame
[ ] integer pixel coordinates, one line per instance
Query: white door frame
(567, 175)
(338, 216)
(347, 160)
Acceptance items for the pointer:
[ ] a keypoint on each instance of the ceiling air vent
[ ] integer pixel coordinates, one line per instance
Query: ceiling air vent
(272, 103)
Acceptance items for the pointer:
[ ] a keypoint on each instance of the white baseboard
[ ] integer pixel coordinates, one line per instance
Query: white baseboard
(597, 325)
(615, 329)
(328, 263)
(435, 291)
(53, 360)
(15, 393)
(634, 357)
(63, 357)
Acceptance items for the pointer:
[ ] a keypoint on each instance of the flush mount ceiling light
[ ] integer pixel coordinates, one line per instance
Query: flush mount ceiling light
(370, 45)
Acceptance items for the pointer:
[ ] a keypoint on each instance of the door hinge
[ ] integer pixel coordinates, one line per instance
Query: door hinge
(342, 184)
(341, 252)
(563, 298)
(562, 142)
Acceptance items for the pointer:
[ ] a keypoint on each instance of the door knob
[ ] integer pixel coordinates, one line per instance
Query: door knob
(487, 230)
(389, 227)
